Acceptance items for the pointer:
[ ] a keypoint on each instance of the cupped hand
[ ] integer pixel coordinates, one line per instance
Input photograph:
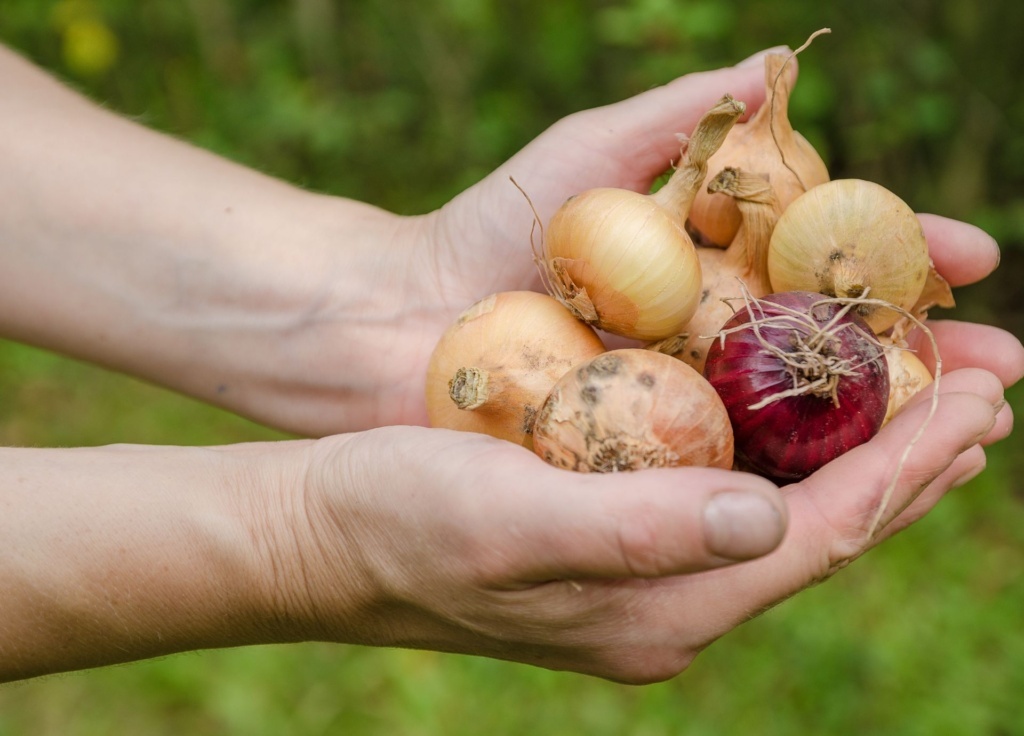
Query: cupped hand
(463, 543)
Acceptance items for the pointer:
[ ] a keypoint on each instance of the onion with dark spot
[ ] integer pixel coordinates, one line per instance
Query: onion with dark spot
(803, 379)
(632, 409)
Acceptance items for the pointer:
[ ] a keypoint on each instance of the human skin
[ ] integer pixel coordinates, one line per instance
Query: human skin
(317, 315)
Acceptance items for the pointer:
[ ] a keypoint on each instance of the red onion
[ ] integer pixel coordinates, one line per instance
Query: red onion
(803, 379)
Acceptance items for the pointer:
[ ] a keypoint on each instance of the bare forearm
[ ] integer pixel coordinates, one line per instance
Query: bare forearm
(134, 250)
(121, 553)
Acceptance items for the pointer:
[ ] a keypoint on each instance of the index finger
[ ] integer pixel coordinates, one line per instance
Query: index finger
(963, 253)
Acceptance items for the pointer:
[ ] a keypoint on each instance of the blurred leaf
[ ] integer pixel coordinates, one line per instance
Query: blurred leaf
(90, 47)
(935, 114)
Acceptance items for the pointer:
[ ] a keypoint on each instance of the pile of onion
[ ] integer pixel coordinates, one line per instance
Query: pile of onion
(776, 332)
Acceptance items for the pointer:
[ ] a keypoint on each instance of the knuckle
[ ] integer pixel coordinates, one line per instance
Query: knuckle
(641, 543)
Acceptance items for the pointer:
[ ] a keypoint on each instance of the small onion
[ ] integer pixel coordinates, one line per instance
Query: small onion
(847, 237)
(492, 369)
(766, 145)
(631, 409)
(803, 379)
(907, 376)
(621, 260)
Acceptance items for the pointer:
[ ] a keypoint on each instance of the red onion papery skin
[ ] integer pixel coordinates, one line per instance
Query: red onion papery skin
(790, 438)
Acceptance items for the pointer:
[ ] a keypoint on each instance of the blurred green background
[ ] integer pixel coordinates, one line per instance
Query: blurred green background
(404, 104)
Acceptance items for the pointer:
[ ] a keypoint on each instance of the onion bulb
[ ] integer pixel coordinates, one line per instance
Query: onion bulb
(847, 237)
(494, 366)
(631, 409)
(803, 379)
(729, 273)
(766, 145)
(621, 260)
(907, 376)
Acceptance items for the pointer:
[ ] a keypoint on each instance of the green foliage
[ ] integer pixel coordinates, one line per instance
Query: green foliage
(404, 104)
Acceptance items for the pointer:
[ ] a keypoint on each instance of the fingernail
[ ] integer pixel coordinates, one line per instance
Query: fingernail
(758, 58)
(740, 526)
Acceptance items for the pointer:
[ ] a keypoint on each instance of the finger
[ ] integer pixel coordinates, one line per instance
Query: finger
(963, 380)
(965, 344)
(976, 381)
(833, 511)
(963, 254)
(966, 467)
(645, 524)
(1003, 427)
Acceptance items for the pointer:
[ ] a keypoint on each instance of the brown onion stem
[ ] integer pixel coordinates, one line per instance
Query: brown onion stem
(680, 190)
(469, 388)
(759, 209)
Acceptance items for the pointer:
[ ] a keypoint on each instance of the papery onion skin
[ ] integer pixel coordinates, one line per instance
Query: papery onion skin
(848, 238)
(632, 409)
(515, 345)
(728, 272)
(790, 438)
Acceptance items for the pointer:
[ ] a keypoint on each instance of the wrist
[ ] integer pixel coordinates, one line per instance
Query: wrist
(315, 577)
(300, 342)
(276, 326)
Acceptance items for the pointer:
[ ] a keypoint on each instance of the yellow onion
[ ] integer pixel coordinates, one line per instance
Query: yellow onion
(631, 409)
(848, 238)
(621, 260)
(732, 274)
(495, 365)
(766, 145)
(907, 376)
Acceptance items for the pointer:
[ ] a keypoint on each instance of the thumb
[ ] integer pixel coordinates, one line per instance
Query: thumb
(643, 125)
(645, 524)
